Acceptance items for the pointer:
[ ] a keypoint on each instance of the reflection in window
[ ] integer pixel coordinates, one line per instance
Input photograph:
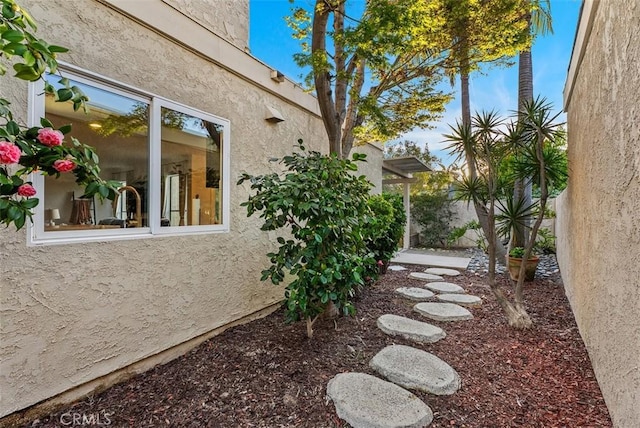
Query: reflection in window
(118, 128)
(191, 170)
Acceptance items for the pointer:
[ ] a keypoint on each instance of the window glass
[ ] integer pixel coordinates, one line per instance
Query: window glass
(170, 162)
(191, 168)
(118, 128)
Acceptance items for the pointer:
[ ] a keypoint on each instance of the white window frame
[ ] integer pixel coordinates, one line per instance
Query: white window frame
(36, 234)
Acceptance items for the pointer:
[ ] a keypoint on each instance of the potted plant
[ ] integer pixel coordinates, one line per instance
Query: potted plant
(514, 260)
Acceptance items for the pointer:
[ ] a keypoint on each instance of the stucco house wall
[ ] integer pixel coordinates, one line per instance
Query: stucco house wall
(372, 168)
(227, 18)
(598, 223)
(72, 315)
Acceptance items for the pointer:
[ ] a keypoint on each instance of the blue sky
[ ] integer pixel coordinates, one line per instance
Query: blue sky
(495, 89)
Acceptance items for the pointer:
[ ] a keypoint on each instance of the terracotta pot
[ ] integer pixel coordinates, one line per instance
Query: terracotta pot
(513, 263)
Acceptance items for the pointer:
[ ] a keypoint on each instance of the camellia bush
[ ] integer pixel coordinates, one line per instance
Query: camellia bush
(323, 205)
(386, 226)
(377, 235)
(43, 148)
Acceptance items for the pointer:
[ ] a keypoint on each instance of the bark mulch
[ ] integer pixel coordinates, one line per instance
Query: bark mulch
(268, 374)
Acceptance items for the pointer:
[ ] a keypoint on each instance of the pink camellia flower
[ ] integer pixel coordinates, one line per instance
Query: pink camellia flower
(26, 190)
(9, 153)
(64, 165)
(50, 137)
(380, 263)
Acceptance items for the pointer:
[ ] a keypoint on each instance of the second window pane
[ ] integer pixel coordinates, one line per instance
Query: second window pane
(191, 170)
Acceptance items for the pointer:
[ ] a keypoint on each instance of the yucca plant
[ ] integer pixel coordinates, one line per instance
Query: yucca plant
(492, 141)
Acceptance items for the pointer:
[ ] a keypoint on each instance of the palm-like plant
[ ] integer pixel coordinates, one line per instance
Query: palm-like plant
(491, 141)
(477, 144)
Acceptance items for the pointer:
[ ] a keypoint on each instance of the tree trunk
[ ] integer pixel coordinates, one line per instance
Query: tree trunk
(517, 316)
(322, 77)
(464, 99)
(523, 188)
(481, 210)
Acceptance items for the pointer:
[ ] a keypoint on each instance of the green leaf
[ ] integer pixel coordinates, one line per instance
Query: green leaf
(12, 128)
(57, 49)
(64, 94)
(92, 188)
(29, 59)
(65, 129)
(103, 191)
(27, 74)
(19, 222)
(41, 46)
(14, 48)
(14, 212)
(45, 123)
(7, 11)
(30, 203)
(13, 36)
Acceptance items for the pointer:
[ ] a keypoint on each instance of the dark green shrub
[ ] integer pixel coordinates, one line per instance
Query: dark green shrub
(459, 232)
(324, 205)
(396, 229)
(433, 212)
(545, 242)
(383, 233)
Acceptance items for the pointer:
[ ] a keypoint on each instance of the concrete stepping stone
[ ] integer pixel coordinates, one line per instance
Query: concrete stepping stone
(461, 299)
(397, 268)
(415, 293)
(445, 287)
(416, 369)
(442, 271)
(365, 401)
(425, 276)
(443, 311)
(417, 331)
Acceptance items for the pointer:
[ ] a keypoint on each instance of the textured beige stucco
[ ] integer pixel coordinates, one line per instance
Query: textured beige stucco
(598, 223)
(72, 313)
(227, 18)
(372, 168)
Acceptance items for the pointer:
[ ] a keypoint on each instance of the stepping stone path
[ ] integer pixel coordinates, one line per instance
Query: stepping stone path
(365, 401)
(461, 299)
(442, 271)
(415, 293)
(418, 331)
(445, 287)
(425, 276)
(443, 311)
(416, 369)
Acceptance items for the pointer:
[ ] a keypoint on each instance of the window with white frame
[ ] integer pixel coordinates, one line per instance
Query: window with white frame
(171, 162)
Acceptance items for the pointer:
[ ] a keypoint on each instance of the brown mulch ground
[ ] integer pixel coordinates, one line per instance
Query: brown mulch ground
(268, 374)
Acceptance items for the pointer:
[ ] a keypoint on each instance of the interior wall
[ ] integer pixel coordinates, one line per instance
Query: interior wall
(598, 223)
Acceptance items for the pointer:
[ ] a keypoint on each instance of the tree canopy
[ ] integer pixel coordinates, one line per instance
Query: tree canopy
(376, 68)
(376, 74)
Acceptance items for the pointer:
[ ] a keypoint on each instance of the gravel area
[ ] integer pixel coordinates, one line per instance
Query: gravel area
(479, 264)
